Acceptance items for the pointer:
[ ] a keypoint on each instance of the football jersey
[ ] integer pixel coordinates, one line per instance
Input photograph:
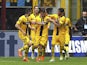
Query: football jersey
(22, 22)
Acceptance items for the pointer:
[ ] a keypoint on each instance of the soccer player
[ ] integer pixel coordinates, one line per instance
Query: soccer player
(41, 38)
(22, 26)
(58, 37)
(67, 37)
(32, 18)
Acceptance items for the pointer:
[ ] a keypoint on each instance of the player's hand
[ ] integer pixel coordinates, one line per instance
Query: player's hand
(33, 22)
(48, 27)
(39, 23)
(32, 28)
(24, 33)
(43, 23)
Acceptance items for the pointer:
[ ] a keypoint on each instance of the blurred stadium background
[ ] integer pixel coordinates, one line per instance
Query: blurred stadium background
(10, 10)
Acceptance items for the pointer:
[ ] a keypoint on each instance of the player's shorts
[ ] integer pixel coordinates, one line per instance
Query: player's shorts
(25, 39)
(67, 38)
(58, 40)
(61, 40)
(42, 40)
(33, 36)
(37, 40)
(54, 40)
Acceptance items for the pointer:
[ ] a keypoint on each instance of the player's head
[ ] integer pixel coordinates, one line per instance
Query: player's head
(84, 13)
(61, 11)
(28, 12)
(36, 9)
(43, 12)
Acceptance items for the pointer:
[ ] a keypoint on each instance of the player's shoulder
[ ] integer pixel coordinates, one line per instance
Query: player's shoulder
(38, 18)
(63, 18)
(47, 17)
(53, 16)
(31, 15)
(67, 19)
(22, 17)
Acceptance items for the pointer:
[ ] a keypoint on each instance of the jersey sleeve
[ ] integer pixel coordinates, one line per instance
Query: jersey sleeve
(46, 19)
(53, 16)
(69, 22)
(62, 20)
(20, 20)
(30, 18)
(38, 19)
(49, 24)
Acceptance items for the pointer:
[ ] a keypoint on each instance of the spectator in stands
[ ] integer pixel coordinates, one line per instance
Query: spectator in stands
(81, 24)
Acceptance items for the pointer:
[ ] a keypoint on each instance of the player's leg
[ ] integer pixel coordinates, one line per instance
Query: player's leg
(66, 47)
(33, 41)
(37, 41)
(28, 43)
(38, 58)
(43, 53)
(26, 54)
(61, 54)
(25, 48)
(61, 39)
(52, 49)
(43, 43)
(32, 55)
(22, 49)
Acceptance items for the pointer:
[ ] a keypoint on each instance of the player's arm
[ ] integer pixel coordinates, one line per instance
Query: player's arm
(39, 23)
(28, 23)
(31, 27)
(17, 25)
(62, 21)
(53, 21)
(48, 24)
(68, 23)
(31, 20)
(19, 28)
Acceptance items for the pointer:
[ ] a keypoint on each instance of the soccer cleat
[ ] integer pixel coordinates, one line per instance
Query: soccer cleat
(66, 55)
(32, 56)
(61, 57)
(25, 59)
(38, 59)
(19, 53)
(52, 60)
(42, 58)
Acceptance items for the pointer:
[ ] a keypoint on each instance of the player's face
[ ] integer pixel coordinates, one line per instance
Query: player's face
(84, 14)
(59, 13)
(36, 9)
(28, 13)
(42, 14)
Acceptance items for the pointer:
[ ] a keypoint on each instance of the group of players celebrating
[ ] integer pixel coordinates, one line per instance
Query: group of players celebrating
(33, 31)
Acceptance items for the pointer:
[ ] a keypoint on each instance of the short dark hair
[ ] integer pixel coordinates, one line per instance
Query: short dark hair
(27, 11)
(61, 9)
(43, 10)
(84, 11)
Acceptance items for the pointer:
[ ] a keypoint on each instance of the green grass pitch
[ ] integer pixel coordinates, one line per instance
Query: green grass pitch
(18, 61)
